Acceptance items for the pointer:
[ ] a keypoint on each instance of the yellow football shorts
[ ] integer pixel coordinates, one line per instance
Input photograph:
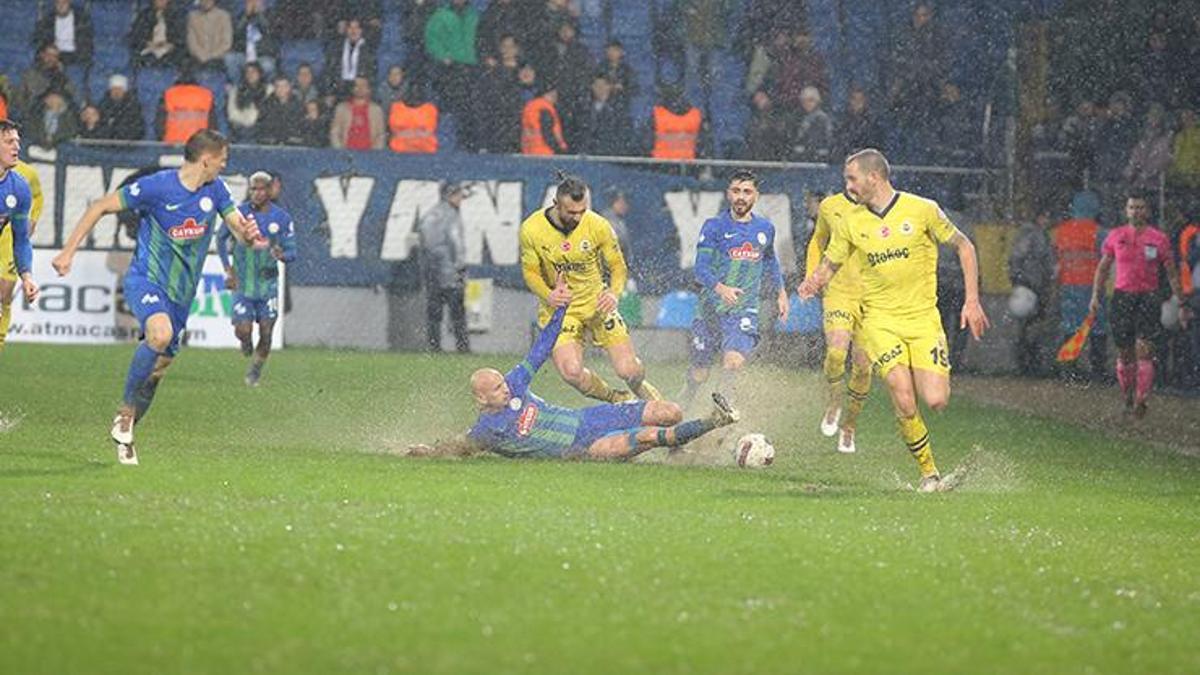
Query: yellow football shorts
(841, 313)
(604, 330)
(8, 261)
(916, 342)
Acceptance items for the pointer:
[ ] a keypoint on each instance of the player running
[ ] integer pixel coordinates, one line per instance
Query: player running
(252, 272)
(841, 305)
(735, 260)
(569, 237)
(179, 210)
(1138, 249)
(895, 239)
(20, 206)
(515, 422)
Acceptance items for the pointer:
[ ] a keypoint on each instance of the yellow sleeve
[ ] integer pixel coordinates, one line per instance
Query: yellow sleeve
(820, 238)
(610, 248)
(35, 189)
(840, 243)
(531, 265)
(940, 226)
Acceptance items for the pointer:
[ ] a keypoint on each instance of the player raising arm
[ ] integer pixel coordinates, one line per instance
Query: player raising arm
(179, 210)
(895, 239)
(16, 226)
(515, 422)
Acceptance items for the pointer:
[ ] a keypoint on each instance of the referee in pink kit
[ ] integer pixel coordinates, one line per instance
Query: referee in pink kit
(1137, 248)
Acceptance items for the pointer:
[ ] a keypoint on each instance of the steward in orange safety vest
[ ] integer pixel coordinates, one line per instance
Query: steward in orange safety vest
(413, 124)
(186, 108)
(676, 127)
(541, 127)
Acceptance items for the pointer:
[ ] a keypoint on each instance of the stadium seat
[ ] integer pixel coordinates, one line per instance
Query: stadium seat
(295, 52)
(676, 310)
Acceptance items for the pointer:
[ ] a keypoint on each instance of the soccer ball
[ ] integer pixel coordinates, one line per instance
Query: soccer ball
(753, 451)
(1022, 302)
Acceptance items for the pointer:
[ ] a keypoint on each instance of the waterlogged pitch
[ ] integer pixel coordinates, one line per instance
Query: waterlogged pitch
(275, 530)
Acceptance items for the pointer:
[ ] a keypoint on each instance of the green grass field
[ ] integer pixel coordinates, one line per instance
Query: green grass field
(268, 530)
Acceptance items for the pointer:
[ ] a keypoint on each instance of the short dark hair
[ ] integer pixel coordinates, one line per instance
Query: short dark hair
(203, 142)
(9, 125)
(570, 186)
(1138, 194)
(743, 175)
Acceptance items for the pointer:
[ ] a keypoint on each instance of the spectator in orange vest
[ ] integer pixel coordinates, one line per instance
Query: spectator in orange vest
(413, 123)
(358, 123)
(541, 127)
(676, 125)
(185, 109)
(1077, 243)
(1189, 269)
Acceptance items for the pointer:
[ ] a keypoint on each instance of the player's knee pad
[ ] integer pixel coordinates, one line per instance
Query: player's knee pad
(835, 363)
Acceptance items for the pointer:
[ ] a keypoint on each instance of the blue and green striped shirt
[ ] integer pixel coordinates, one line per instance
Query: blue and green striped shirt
(256, 268)
(741, 255)
(177, 226)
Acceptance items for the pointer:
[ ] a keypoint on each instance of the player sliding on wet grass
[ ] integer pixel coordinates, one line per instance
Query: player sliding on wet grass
(515, 422)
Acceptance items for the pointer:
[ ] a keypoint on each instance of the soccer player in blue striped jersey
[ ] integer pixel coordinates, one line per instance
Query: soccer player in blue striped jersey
(179, 210)
(735, 264)
(252, 272)
(16, 201)
(515, 422)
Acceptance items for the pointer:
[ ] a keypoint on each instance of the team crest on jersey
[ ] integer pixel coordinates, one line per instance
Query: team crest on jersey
(885, 231)
(906, 228)
(189, 229)
(744, 252)
(526, 420)
(206, 204)
(10, 201)
(515, 404)
(585, 245)
(566, 246)
(762, 238)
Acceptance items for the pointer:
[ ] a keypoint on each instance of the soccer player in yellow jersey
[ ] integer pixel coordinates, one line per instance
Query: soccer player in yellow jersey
(894, 237)
(842, 308)
(8, 261)
(570, 238)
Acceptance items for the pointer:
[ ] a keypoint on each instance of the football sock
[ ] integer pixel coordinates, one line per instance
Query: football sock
(690, 386)
(688, 431)
(143, 398)
(5, 320)
(597, 388)
(140, 370)
(916, 436)
(1126, 375)
(835, 369)
(646, 391)
(857, 390)
(727, 383)
(1145, 378)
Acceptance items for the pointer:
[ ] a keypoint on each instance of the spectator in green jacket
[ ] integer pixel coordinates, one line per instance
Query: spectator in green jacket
(450, 45)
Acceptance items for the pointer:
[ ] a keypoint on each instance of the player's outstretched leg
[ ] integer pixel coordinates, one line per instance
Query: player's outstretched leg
(857, 389)
(150, 360)
(568, 359)
(625, 445)
(631, 369)
(1145, 377)
(912, 427)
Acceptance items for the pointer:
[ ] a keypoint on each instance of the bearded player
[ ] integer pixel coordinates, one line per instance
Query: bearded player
(20, 208)
(570, 238)
(735, 266)
(841, 306)
(179, 211)
(894, 238)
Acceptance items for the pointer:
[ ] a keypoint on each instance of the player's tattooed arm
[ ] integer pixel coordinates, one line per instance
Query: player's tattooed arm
(973, 316)
(110, 203)
(818, 279)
